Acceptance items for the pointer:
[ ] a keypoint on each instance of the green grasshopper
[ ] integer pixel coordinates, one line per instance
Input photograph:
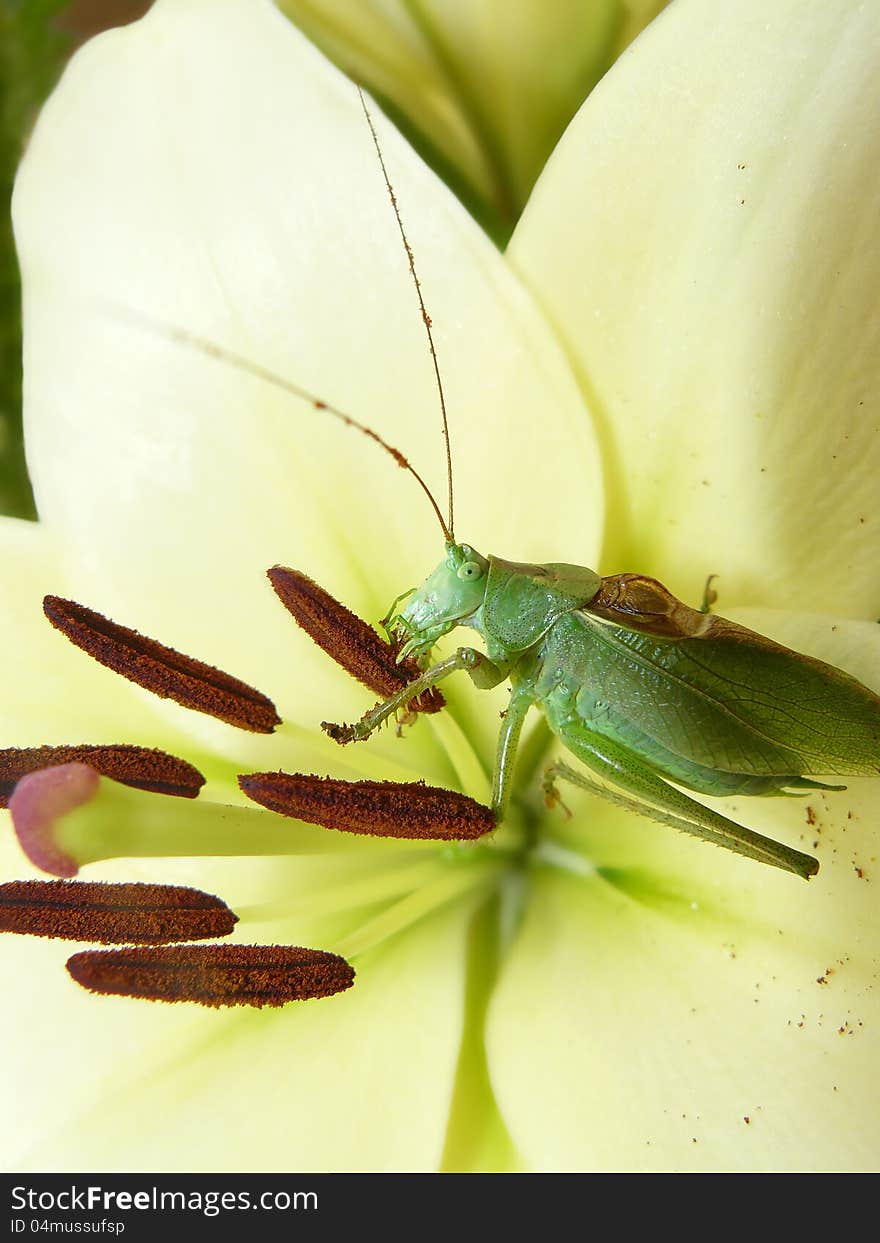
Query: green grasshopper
(644, 690)
(648, 693)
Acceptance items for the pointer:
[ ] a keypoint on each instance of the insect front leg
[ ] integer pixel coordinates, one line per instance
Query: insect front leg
(483, 672)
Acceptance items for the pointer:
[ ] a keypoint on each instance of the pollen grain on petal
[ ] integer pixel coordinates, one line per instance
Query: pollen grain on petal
(410, 810)
(162, 670)
(112, 914)
(214, 975)
(347, 639)
(145, 768)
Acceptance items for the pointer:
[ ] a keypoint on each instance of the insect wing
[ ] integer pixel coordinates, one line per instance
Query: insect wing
(721, 695)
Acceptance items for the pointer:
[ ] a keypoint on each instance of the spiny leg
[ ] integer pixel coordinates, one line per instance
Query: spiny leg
(484, 674)
(632, 784)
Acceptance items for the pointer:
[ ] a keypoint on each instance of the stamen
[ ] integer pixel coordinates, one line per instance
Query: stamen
(214, 975)
(347, 639)
(376, 808)
(112, 914)
(141, 767)
(162, 670)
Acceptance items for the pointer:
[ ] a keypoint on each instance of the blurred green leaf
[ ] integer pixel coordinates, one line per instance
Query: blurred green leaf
(32, 52)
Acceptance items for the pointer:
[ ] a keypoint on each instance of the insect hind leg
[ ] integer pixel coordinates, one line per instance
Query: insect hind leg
(623, 778)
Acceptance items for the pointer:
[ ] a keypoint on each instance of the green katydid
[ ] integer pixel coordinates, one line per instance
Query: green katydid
(648, 693)
(644, 690)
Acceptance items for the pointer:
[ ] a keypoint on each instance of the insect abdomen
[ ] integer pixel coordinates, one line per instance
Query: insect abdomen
(626, 687)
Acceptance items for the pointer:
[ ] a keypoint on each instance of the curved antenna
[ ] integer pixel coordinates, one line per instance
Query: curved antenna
(426, 318)
(173, 333)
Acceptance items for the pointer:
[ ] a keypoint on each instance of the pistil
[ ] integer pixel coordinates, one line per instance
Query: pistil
(68, 816)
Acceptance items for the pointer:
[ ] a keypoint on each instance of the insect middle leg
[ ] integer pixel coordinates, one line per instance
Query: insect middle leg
(508, 741)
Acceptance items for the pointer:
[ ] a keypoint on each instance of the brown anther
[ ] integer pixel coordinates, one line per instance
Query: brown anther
(348, 640)
(162, 670)
(112, 914)
(141, 767)
(214, 975)
(376, 808)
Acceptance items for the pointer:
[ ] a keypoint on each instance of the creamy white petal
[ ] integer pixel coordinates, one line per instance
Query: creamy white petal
(52, 693)
(233, 189)
(705, 239)
(697, 1029)
(176, 1087)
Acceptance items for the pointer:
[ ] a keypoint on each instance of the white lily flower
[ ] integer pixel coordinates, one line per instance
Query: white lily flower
(619, 997)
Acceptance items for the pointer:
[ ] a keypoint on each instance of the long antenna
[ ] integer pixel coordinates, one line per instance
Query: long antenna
(426, 318)
(174, 333)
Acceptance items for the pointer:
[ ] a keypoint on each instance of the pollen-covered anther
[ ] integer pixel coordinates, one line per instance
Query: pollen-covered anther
(376, 808)
(349, 640)
(142, 767)
(214, 975)
(112, 914)
(162, 670)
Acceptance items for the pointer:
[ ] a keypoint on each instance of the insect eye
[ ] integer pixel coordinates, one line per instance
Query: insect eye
(470, 569)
